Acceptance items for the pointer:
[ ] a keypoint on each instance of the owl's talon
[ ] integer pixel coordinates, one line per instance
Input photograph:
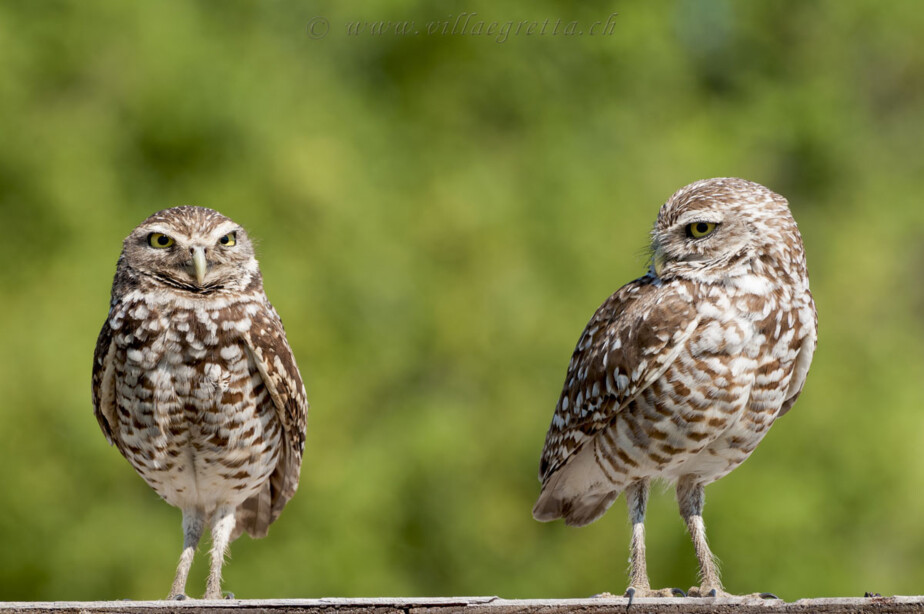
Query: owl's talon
(678, 592)
(712, 593)
(229, 595)
(768, 596)
(180, 597)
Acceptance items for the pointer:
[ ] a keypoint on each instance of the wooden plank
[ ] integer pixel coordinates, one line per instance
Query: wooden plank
(474, 605)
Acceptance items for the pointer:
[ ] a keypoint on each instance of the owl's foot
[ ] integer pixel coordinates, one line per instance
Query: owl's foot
(178, 597)
(634, 593)
(707, 591)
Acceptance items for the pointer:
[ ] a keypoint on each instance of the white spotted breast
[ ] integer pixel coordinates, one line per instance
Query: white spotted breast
(715, 402)
(194, 417)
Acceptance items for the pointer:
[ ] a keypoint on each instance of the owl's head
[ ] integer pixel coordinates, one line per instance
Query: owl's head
(193, 249)
(716, 229)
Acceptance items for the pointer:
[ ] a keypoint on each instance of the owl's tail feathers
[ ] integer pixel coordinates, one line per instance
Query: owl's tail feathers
(577, 491)
(577, 511)
(257, 513)
(254, 514)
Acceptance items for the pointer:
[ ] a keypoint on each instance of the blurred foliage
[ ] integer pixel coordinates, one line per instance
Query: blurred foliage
(438, 216)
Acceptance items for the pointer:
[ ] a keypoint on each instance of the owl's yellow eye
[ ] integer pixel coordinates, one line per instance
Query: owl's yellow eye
(229, 239)
(159, 240)
(698, 230)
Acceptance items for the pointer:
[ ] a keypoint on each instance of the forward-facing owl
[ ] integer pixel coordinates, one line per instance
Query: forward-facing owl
(680, 373)
(195, 383)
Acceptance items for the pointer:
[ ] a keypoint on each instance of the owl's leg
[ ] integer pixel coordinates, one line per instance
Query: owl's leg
(637, 500)
(691, 498)
(193, 526)
(222, 527)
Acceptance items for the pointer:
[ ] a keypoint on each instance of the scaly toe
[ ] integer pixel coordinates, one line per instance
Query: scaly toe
(637, 593)
(703, 592)
(756, 596)
(633, 592)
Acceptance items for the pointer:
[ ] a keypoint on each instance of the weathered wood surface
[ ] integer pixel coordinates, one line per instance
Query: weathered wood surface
(474, 605)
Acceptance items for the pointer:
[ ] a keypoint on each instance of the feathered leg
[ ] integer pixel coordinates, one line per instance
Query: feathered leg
(691, 498)
(222, 527)
(639, 586)
(637, 500)
(193, 526)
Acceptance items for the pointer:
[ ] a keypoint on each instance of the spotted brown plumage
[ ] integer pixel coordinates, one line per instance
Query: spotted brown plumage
(194, 381)
(680, 373)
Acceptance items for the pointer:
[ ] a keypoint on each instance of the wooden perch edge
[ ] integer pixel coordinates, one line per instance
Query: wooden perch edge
(474, 605)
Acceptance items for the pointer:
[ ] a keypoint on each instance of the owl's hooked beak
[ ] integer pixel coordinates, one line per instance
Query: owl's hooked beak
(199, 263)
(658, 260)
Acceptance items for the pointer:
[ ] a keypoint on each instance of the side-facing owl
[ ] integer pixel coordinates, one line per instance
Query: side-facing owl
(680, 373)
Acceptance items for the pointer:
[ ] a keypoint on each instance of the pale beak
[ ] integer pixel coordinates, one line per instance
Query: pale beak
(658, 261)
(199, 263)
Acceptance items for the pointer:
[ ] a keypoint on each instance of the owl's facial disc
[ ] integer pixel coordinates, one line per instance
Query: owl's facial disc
(695, 240)
(192, 259)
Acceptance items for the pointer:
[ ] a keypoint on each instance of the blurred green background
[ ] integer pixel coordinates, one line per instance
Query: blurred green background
(438, 216)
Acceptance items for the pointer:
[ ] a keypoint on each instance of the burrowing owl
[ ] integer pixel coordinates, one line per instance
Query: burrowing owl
(195, 383)
(680, 373)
